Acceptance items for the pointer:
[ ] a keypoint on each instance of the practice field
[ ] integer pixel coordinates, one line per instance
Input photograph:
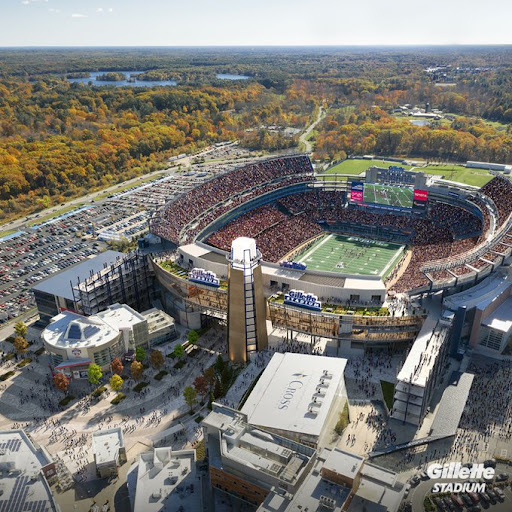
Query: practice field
(357, 166)
(390, 196)
(351, 255)
(457, 173)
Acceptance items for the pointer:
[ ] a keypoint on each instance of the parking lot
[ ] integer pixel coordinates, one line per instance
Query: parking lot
(35, 253)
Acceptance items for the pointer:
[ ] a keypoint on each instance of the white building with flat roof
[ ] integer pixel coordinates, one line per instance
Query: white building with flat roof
(165, 480)
(109, 451)
(24, 474)
(75, 341)
(296, 395)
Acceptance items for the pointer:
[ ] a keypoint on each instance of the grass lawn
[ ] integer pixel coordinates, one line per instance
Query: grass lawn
(344, 420)
(388, 390)
(351, 255)
(61, 211)
(357, 166)
(457, 173)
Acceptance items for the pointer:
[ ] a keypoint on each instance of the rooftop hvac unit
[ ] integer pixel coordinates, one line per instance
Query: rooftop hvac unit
(327, 502)
(327, 375)
(312, 411)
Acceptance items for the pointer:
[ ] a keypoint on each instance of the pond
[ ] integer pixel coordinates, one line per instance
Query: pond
(131, 80)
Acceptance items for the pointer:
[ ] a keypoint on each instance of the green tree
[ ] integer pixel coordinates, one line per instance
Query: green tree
(178, 351)
(116, 383)
(217, 389)
(190, 395)
(157, 359)
(192, 337)
(20, 329)
(94, 373)
(137, 370)
(140, 354)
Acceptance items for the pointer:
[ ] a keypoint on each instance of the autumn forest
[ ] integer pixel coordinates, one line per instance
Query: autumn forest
(60, 140)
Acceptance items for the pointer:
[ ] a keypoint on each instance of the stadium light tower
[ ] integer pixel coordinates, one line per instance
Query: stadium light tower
(247, 328)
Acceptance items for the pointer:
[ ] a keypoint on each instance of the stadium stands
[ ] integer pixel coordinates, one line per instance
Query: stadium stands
(171, 221)
(449, 242)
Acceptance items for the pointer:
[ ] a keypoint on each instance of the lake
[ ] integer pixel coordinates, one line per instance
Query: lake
(229, 76)
(419, 122)
(121, 83)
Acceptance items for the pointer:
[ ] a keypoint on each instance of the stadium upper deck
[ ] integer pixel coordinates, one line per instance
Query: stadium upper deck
(463, 235)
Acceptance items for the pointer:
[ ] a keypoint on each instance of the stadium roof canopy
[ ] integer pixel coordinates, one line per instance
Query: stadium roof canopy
(59, 284)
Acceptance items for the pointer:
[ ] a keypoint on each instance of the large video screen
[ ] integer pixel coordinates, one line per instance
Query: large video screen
(420, 199)
(386, 195)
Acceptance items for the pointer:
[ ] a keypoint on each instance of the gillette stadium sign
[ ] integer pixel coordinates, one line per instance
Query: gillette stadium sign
(303, 300)
(456, 471)
(202, 276)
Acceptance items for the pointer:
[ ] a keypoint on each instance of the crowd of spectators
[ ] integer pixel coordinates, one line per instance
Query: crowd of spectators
(499, 189)
(445, 233)
(439, 236)
(250, 224)
(172, 219)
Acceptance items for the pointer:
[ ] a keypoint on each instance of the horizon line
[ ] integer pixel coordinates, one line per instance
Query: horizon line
(377, 45)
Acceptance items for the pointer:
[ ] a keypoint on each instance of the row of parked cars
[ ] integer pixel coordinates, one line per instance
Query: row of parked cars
(471, 501)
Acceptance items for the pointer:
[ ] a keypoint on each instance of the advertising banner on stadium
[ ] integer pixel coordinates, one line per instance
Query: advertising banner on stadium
(202, 276)
(420, 195)
(356, 191)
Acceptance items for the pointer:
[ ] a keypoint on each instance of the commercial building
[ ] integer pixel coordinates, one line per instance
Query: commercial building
(165, 480)
(247, 462)
(109, 451)
(483, 314)
(247, 327)
(161, 326)
(55, 294)
(296, 395)
(26, 474)
(490, 166)
(74, 341)
(340, 481)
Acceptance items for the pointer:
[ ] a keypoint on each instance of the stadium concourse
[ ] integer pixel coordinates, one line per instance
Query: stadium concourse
(450, 239)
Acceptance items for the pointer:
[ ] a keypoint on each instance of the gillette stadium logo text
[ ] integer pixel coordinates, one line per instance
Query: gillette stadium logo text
(455, 471)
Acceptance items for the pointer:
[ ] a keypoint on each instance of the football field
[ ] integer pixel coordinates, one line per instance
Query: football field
(390, 196)
(351, 255)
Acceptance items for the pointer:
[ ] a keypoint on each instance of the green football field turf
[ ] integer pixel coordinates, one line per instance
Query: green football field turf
(351, 255)
(391, 196)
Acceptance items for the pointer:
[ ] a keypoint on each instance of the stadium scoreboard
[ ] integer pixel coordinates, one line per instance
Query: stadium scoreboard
(391, 189)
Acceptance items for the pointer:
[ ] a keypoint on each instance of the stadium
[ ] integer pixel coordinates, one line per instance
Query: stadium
(354, 244)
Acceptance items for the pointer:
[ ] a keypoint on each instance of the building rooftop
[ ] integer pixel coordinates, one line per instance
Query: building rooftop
(295, 393)
(60, 284)
(106, 445)
(120, 316)
(452, 404)
(240, 445)
(167, 481)
(343, 463)
(501, 318)
(22, 484)
(157, 319)
(379, 491)
(482, 294)
(423, 354)
(73, 331)
(317, 493)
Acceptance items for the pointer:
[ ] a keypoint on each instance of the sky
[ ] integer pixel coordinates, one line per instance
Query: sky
(253, 22)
